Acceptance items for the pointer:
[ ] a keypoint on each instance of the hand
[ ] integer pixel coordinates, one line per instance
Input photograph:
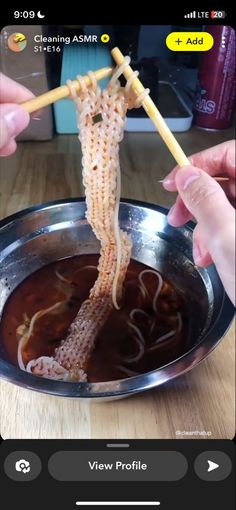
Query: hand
(201, 197)
(13, 118)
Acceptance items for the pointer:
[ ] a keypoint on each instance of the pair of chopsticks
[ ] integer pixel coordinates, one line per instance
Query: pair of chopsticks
(148, 105)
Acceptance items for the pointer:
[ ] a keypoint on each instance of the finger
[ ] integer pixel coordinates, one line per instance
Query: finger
(179, 214)
(204, 198)
(201, 255)
(12, 91)
(169, 181)
(13, 119)
(215, 160)
(37, 114)
(9, 149)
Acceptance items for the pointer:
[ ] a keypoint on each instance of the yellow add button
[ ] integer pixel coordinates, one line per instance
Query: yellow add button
(189, 41)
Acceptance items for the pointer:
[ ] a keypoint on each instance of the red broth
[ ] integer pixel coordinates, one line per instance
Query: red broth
(116, 340)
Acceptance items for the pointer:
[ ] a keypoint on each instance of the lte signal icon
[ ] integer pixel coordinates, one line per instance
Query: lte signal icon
(190, 15)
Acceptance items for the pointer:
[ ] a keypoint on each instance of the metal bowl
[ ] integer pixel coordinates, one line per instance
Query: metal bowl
(40, 235)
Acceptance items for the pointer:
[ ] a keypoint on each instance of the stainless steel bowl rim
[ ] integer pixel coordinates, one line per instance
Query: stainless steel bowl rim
(125, 387)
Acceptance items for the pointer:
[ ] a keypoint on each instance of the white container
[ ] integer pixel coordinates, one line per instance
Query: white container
(182, 122)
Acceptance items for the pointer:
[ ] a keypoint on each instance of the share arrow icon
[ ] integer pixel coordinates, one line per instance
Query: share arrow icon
(212, 466)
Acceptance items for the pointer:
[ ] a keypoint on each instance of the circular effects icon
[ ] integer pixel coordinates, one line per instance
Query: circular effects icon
(17, 42)
(23, 466)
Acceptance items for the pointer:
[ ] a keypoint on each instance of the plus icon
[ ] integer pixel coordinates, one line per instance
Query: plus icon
(178, 41)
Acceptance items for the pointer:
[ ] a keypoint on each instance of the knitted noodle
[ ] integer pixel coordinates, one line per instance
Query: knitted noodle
(101, 178)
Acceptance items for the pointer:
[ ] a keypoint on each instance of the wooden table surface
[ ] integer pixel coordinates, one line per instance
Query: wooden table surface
(200, 402)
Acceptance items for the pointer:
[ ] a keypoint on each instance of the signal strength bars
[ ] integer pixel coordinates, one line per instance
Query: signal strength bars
(190, 15)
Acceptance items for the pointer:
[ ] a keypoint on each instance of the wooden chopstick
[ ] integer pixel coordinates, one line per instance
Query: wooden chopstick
(154, 114)
(218, 179)
(61, 92)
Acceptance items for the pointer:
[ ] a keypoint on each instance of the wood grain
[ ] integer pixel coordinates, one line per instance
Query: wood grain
(200, 401)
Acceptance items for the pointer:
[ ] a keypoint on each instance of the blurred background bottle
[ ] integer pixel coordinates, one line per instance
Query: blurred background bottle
(215, 95)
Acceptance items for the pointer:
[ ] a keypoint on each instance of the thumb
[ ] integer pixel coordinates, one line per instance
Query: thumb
(13, 119)
(204, 198)
(207, 202)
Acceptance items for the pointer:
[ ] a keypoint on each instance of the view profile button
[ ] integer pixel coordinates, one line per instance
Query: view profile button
(84, 466)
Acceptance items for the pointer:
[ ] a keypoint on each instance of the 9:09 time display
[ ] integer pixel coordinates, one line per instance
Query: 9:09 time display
(28, 14)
